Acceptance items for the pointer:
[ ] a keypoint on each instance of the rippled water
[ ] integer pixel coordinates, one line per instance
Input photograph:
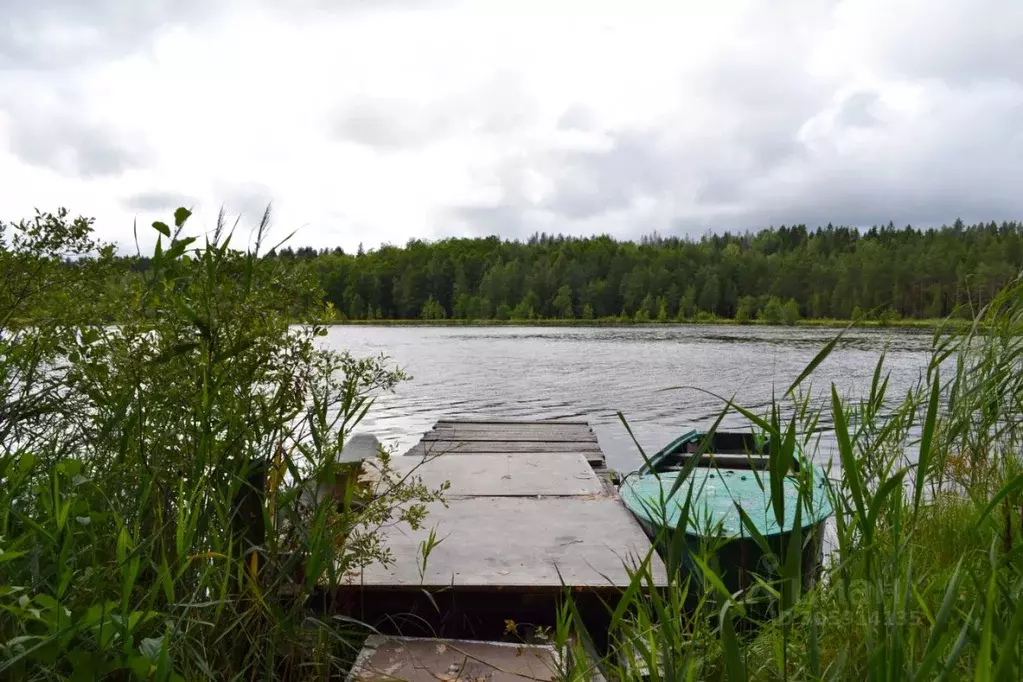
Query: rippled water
(592, 373)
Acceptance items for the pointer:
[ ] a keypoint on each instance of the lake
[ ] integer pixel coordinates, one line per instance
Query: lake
(592, 373)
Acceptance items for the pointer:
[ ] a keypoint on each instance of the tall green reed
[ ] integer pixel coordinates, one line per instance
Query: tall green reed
(923, 580)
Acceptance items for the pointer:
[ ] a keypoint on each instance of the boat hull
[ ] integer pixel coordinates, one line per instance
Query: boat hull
(738, 561)
(723, 501)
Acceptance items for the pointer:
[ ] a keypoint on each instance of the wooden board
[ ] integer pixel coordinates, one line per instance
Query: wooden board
(506, 475)
(478, 446)
(513, 426)
(509, 428)
(514, 422)
(388, 659)
(476, 437)
(524, 543)
(508, 437)
(594, 457)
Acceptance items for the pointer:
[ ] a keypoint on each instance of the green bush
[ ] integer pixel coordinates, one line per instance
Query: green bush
(790, 313)
(432, 310)
(773, 312)
(746, 309)
(158, 509)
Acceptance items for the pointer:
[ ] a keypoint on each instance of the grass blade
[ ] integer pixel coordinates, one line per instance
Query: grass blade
(1008, 649)
(734, 664)
(933, 648)
(821, 356)
(924, 460)
(849, 464)
(982, 669)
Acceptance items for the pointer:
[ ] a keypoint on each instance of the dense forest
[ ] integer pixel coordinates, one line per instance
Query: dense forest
(776, 275)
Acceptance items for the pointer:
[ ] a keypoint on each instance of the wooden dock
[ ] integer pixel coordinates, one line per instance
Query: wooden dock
(529, 513)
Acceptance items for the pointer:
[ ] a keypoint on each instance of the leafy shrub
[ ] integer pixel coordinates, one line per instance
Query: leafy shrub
(163, 506)
(790, 312)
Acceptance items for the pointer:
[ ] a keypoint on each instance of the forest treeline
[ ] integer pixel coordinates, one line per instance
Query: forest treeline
(776, 275)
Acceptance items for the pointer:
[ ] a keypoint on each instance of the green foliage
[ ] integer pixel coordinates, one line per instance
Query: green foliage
(562, 303)
(170, 497)
(526, 309)
(746, 310)
(662, 309)
(887, 317)
(165, 504)
(829, 272)
(790, 312)
(432, 310)
(773, 312)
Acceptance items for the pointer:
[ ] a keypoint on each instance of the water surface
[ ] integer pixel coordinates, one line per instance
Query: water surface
(592, 373)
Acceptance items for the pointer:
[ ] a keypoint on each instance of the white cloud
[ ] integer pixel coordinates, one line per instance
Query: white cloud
(369, 122)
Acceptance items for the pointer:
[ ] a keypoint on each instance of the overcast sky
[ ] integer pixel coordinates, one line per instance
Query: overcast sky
(381, 120)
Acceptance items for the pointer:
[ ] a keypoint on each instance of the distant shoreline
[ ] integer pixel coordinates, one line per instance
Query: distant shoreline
(614, 322)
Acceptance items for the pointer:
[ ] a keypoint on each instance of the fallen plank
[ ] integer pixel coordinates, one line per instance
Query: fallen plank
(410, 659)
(507, 475)
(532, 544)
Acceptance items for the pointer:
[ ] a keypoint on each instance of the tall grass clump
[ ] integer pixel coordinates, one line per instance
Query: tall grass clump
(171, 503)
(923, 578)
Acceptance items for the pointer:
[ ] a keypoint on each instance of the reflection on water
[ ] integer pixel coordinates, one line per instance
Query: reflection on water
(664, 379)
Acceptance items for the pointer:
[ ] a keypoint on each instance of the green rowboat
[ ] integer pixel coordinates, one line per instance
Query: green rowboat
(731, 474)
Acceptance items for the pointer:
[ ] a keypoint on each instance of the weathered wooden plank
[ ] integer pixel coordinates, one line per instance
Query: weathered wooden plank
(517, 542)
(411, 659)
(593, 456)
(484, 436)
(511, 425)
(514, 428)
(482, 446)
(511, 422)
(505, 475)
(582, 437)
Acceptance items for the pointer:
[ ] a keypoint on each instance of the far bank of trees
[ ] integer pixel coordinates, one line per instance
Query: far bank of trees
(778, 275)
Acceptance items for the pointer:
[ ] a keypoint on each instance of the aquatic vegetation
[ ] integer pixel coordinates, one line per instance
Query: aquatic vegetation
(923, 580)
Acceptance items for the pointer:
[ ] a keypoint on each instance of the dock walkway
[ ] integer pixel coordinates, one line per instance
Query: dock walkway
(529, 512)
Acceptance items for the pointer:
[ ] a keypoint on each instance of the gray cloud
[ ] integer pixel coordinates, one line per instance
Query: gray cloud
(391, 124)
(959, 155)
(590, 183)
(507, 221)
(499, 106)
(961, 42)
(928, 126)
(156, 201)
(54, 34)
(50, 128)
(61, 33)
(73, 148)
(576, 117)
(965, 162)
(247, 200)
(858, 110)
